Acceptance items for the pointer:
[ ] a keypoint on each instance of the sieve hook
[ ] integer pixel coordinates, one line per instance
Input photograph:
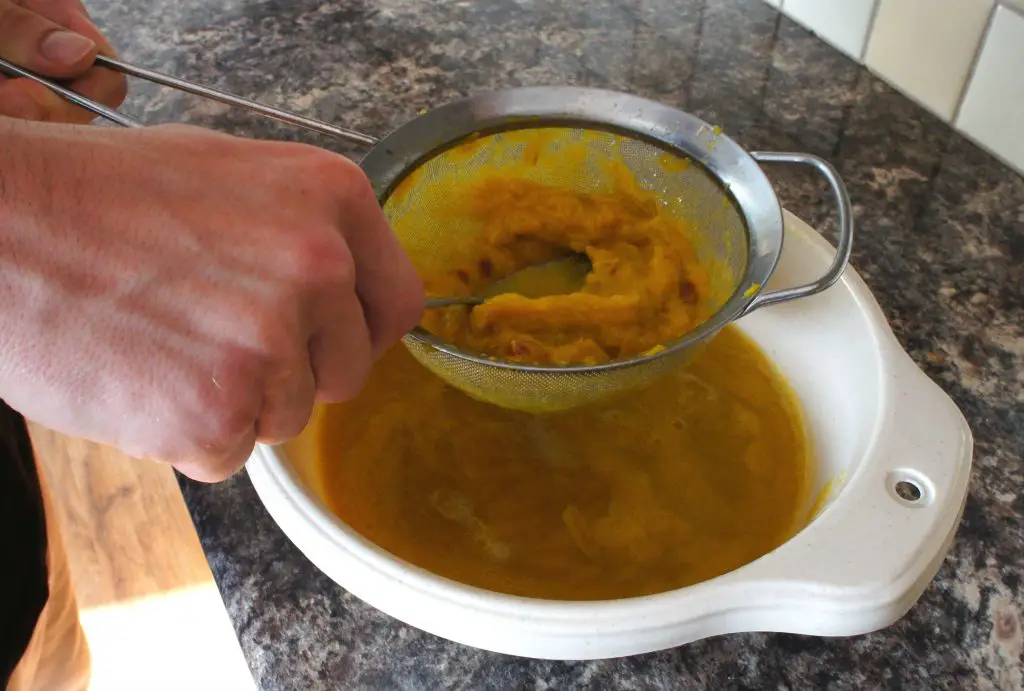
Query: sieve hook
(207, 92)
(845, 214)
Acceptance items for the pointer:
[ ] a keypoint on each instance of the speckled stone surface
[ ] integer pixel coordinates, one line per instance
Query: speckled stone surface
(941, 244)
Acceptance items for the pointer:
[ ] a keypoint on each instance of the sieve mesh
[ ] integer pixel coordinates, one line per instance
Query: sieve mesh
(423, 209)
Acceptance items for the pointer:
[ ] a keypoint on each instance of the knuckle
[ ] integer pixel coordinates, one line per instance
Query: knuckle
(402, 319)
(228, 426)
(298, 424)
(230, 399)
(300, 413)
(231, 462)
(412, 302)
(284, 425)
(346, 387)
(321, 258)
(342, 382)
(287, 402)
(210, 469)
(320, 166)
(355, 188)
(272, 335)
(401, 314)
(410, 314)
(341, 179)
(334, 167)
(215, 463)
(357, 376)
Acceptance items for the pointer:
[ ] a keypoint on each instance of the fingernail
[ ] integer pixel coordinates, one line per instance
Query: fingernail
(65, 47)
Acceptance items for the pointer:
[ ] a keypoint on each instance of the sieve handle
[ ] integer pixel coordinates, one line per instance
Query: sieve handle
(188, 87)
(845, 214)
(70, 96)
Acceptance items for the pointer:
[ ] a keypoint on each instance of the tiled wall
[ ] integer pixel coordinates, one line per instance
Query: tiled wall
(961, 59)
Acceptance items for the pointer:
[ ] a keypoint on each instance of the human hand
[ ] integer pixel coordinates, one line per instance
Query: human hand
(32, 36)
(181, 294)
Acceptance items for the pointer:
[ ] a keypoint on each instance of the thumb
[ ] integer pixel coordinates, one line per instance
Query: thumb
(35, 43)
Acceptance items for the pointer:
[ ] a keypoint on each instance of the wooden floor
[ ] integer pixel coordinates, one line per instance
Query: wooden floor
(147, 596)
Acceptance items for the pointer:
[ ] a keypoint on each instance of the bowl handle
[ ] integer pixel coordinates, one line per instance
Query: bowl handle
(845, 214)
(866, 559)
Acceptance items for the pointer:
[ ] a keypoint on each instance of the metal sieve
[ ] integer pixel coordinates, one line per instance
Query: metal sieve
(717, 185)
(721, 188)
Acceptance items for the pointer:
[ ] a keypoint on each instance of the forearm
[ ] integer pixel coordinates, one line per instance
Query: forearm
(42, 259)
(34, 158)
(26, 189)
(27, 167)
(44, 171)
(17, 179)
(15, 139)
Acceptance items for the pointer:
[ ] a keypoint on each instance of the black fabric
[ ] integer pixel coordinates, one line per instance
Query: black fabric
(24, 587)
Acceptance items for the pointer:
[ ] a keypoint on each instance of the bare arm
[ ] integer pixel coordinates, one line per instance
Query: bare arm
(191, 294)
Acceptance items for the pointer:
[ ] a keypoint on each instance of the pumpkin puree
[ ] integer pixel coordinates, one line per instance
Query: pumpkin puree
(646, 287)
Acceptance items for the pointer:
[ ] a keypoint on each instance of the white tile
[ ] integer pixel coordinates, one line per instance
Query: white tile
(925, 48)
(992, 112)
(843, 23)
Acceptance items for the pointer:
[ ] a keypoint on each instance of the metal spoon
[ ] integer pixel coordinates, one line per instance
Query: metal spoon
(556, 277)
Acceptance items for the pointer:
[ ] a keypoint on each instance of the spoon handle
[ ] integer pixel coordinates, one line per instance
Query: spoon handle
(188, 87)
(233, 100)
(435, 303)
(69, 95)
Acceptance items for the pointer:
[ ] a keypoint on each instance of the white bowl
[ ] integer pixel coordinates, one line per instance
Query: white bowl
(875, 420)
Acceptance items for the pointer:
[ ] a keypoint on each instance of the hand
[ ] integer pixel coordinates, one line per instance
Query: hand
(33, 36)
(181, 294)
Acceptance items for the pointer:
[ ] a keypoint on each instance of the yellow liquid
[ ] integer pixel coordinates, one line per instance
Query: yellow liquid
(701, 473)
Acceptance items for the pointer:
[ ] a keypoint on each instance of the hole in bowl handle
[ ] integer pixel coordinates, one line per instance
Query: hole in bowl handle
(845, 214)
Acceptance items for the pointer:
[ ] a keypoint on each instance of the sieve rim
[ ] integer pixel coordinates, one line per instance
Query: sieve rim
(679, 133)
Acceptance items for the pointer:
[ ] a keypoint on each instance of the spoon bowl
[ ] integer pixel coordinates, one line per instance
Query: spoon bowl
(560, 276)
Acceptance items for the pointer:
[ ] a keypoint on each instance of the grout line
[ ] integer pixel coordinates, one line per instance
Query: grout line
(871, 30)
(770, 63)
(1002, 158)
(974, 62)
(1015, 6)
(697, 44)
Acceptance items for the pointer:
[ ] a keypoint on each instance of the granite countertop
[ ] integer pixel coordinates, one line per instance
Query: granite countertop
(941, 245)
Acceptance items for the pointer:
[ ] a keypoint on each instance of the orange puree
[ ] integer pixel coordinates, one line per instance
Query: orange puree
(646, 287)
(689, 479)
